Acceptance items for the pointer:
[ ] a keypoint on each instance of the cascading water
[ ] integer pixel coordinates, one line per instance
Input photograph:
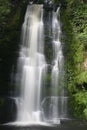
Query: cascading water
(32, 69)
(57, 101)
(58, 69)
(31, 66)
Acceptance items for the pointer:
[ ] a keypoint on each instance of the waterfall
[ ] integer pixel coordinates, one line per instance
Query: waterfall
(33, 105)
(31, 65)
(57, 76)
(57, 101)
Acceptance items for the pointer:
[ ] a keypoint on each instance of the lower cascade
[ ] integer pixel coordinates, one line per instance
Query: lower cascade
(34, 105)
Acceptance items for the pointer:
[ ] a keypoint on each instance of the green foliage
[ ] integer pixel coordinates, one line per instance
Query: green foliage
(74, 18)
(5, 9)
(78, 19)
(83, 37)
(80, 104)
(82, 77)
(85, 112)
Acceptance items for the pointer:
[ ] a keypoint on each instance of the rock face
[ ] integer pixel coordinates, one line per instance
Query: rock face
(51, 5)
(48, 4)
(9, 44)
(7, 109)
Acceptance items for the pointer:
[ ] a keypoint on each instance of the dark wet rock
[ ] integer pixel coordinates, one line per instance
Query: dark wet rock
(8, 110)
(48, 5)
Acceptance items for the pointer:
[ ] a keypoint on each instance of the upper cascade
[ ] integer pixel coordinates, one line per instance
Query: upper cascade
(48, 4)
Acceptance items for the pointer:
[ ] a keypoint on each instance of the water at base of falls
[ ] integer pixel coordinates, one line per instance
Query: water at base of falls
(32, 108)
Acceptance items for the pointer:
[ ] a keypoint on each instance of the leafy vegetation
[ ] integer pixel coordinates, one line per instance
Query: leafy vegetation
(74, 17)
(5, 9)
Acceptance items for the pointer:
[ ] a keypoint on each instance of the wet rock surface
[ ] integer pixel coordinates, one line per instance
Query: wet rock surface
(7, 109)
(49, 5)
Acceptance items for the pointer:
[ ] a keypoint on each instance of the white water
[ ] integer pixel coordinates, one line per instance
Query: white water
(31, 66)
(57, 71)
(56, 103)
(32, 71)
